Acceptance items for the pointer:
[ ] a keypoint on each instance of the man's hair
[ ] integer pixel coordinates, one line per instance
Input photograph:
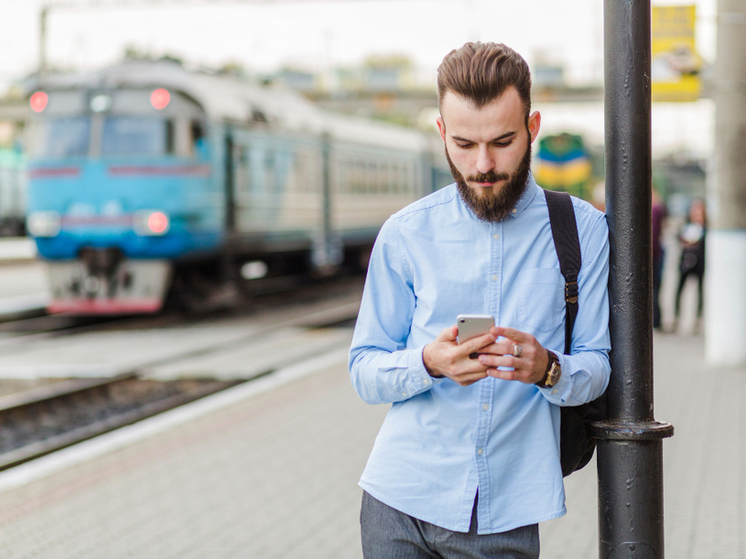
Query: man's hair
(481, 72)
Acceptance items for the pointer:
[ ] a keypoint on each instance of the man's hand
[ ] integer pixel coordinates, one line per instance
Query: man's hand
(444, 357)
(518, 350)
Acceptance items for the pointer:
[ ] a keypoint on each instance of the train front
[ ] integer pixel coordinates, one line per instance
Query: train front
(120, 187)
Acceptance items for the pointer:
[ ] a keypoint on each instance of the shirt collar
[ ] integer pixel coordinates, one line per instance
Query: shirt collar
(528, 196)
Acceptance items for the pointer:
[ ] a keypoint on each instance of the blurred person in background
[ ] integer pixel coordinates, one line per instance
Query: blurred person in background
(659, 214)
(467, 461)
(692, 262)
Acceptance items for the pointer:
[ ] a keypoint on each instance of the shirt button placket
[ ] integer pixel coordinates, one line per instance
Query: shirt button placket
(496, 237)
(494, 274)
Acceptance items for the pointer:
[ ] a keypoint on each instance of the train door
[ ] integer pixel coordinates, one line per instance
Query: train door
(232, 153)
(327, 245)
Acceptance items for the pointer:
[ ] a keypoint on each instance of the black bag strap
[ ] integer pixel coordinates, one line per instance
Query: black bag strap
(576, 435)
(567, 244)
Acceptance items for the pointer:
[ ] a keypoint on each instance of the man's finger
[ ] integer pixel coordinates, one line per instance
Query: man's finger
(494, 361)
(477, 343)
(448, 334)
(466, 380)
(513, 334)
(504, 375)
(505, 347)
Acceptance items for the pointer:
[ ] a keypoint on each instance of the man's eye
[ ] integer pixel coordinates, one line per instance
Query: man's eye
(463, 146)
(503, 144)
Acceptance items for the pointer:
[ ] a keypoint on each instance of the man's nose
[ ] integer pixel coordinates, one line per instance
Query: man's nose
(485, 161)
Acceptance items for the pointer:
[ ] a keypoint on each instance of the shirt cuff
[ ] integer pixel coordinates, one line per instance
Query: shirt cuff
(560, 392)
(415, 380)
(420, 379)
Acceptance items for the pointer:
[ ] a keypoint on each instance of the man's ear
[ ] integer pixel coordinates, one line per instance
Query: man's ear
(442, 127)
(534, 123)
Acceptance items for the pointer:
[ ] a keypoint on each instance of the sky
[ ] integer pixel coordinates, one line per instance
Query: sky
(264, 35)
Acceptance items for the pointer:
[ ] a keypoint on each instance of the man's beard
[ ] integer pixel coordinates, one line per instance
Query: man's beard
(494, 206)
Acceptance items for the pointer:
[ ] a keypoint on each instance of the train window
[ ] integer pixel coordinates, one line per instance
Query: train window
(344, 179)
(197, 132)
(302, 170)
(129, 135)
(67, 137)
(269, 171)
(170, 136)
(258, 116)
(383, 177)
(241, 170)
(370, 177)
(394, 178)
(359, 182)
(379, 178)
(412, 178)
(255, 169)
(401, 182)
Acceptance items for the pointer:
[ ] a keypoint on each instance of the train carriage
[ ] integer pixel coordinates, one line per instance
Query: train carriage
(146, 178)
(12, 192)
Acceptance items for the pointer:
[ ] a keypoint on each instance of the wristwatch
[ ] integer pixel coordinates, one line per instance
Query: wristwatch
(553, 374)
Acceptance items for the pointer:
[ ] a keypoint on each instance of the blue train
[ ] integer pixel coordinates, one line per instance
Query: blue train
(147, 179)
(12, 192)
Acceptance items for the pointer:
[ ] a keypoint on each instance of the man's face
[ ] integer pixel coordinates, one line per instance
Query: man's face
(489, 150)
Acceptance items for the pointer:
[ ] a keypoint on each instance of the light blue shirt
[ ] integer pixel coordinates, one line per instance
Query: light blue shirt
(441, 442)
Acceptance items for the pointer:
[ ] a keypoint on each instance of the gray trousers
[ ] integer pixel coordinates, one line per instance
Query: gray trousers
(390, 534)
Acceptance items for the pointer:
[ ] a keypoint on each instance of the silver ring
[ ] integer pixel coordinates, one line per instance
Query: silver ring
(517, 350)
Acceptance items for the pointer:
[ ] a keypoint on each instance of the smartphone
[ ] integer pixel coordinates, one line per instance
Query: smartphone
(473, 325)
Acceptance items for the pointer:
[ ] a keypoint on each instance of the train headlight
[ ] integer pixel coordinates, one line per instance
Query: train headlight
(151, 223)
(100, 103)
(160, 98)
(44, 224)
(39, 101)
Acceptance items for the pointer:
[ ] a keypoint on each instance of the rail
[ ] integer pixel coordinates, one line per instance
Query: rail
(49, 418)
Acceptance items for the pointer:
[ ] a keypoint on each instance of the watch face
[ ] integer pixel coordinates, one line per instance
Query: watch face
(554, 374)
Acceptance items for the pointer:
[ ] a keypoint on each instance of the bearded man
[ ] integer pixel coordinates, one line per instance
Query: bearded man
(467, 461)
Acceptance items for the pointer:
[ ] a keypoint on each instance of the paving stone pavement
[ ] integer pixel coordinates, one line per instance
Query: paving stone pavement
(275, 476)
(704, 463)
(271, 477)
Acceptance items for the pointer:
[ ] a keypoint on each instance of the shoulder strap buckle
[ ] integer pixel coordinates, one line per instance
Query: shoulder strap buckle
(571, 292)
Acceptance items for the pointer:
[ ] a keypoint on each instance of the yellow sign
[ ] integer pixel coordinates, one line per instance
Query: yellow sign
(675, 63)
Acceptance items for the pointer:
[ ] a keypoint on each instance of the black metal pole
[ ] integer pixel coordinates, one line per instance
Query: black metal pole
(630, 457)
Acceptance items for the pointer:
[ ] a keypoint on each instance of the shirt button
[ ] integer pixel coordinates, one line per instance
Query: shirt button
(403, 393)
(496, 236)
(480, 451)
(494, 277)
(514, 211)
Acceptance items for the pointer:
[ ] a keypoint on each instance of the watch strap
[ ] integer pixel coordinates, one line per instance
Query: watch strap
(552, 360)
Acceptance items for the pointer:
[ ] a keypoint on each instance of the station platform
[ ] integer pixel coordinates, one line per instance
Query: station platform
(269, 470)
(24, 285)
(16, 249)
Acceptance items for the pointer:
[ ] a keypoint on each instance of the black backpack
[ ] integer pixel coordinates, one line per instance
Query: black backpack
(577, 442)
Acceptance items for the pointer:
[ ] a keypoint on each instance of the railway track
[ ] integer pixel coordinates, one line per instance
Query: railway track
(50, 417)
(281, 291)
(37, 422)
(45, 326)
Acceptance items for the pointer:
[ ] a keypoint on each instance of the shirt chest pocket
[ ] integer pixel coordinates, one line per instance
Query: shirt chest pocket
(541, 293)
